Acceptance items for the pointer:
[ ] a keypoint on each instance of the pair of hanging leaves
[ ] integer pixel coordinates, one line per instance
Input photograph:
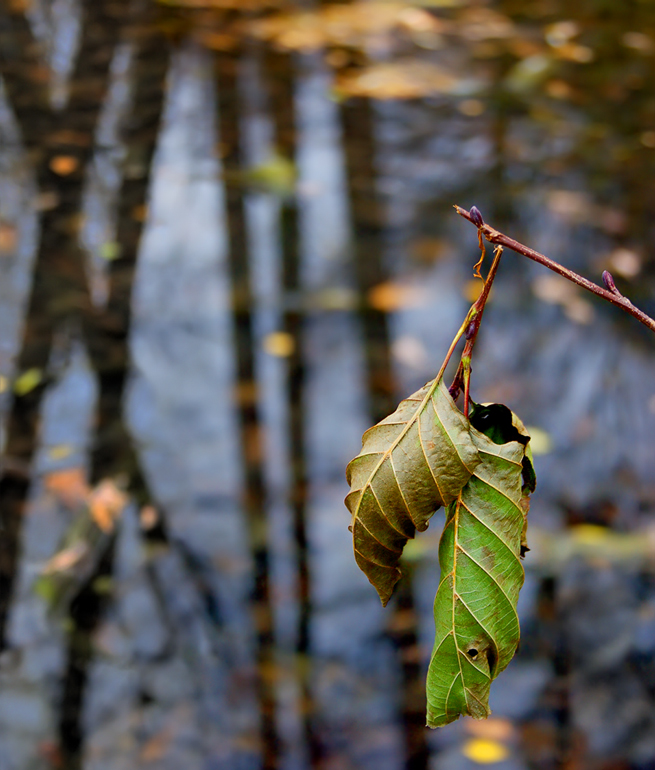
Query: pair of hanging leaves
(425, 455)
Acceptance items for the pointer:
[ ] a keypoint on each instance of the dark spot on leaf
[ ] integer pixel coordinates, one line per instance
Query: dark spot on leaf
(472, 653)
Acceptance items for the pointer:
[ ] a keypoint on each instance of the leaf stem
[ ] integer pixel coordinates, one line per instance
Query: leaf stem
(462, 329)
(463, 374)
(611, 294)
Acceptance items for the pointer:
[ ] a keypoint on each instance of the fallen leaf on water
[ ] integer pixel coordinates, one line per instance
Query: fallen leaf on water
(390, 296)
(638, 41)
(355, 24)
(485, 752)
(148, 517)
(577, 53)
(333, 298)
(561, 32)
(69, 486)
(27, 381)
(625, 262)
(63, 165)
(279, 344)
(60, 451)
(276, 175)
(478, 23)
(106, 503)
(7, 238)
(408, 79)
(110, 251)
(551, 551)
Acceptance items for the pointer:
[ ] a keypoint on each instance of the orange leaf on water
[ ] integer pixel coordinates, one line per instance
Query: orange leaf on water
(69, 486)
(106, 503)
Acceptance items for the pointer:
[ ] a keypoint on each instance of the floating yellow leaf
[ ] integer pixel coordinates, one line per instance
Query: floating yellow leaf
(110, 251)
(60, 451)
(276, 175)
(280, 344)
(27, 381)
(485, 752)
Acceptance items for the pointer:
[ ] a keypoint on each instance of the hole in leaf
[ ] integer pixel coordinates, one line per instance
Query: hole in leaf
(472, 653)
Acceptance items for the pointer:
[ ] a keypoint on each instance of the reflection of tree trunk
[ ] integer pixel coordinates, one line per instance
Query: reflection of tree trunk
(281, 73)
(553, 646)
(86, 611)
(108, 329)
(107, 334)
(368, 218)
(229, 115)
(60, 145)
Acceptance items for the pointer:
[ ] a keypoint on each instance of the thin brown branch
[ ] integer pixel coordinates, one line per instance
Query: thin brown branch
(611, 295)
(472, 327)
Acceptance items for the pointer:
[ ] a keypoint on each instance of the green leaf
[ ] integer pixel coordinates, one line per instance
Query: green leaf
(477, 628)
(412, 462)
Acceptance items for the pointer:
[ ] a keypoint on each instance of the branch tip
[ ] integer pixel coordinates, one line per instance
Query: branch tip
(476, 216)
(608, 280)
(609, 293)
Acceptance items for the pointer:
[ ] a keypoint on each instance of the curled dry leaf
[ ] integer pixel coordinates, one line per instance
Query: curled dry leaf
(411, 463)
(427, 454)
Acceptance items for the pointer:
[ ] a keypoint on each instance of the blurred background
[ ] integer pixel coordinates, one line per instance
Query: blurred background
(228, 247)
